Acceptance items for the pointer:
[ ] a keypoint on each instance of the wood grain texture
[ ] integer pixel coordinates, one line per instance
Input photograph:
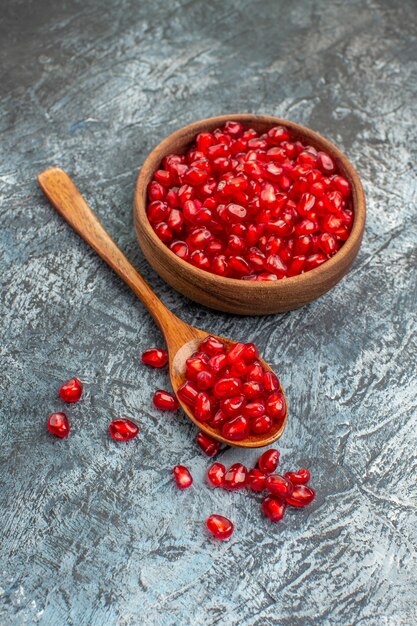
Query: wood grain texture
(228, 294)
(181, 339)
(94, 532)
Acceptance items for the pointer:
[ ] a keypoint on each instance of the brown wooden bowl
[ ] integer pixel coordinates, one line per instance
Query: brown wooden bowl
(230, 294)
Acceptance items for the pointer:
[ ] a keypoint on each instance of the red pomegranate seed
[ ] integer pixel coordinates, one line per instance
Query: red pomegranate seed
(71, 390)
(279, 486)
(236, 429)
(217, 363)
(236, 477)
(182, 476)
(236, 352)
(227, 387)
(180, 248)
(219, 419)
(58, 425)
(188, 393)
(268, 461)
(212, 346)
(216, 474)
(165, 401)
(273, 508)
(255, 372)
(155, 357)
(203, 407)
(220, 527)
(300, 477)
(256, 480)
(261, 425)
(123, 429)
(270, 381)
(233, 405)
(208, 445)
(253, 409)
(276, 406)
(205, 379)
(301, 496)
(252, 389)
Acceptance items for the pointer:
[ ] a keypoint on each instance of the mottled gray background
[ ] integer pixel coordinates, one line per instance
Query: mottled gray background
(94, 532)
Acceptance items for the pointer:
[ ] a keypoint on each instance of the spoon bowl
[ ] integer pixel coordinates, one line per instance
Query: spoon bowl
(181, 339)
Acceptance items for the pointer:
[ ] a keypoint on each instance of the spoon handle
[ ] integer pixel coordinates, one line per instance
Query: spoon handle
(67, 200)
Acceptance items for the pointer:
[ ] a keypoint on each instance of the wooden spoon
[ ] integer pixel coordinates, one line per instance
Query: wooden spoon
(181, 339)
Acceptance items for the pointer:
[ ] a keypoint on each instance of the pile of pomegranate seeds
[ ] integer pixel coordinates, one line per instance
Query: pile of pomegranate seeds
(250, 206)
(231, 391)
(290, 489)
(71, 390)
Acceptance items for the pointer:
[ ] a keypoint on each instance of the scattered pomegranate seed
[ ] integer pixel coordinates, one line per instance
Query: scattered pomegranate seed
(235, 477)
(273, 508)
(58, 425)
(268, 461)
(155, 357)
(256, 480)
(300, 477)
(220, 527)
(123, 429)
(208, 445)
(182, 477)
(279, 486)
(235, 189)
(302, 495)
(216, 474)
(165, 401)
(71, 390)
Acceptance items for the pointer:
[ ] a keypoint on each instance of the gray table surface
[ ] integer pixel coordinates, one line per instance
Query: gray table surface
(94, 532)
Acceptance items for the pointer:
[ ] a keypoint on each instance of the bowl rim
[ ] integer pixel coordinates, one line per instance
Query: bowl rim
(188, 132)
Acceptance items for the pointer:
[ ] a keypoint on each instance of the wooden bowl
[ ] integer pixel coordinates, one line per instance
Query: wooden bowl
(230, 294)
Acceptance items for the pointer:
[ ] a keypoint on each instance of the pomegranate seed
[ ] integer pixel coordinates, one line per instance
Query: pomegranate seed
(227, 387)
(254, 409)
(203, 407)
(236, 429)
(270, 381)
(219, 419)
(58, 425)
(212, 346)
(123, 429)
(255, 372)
(300, 477)
(236, 477)
(188, 393)
(273, 508)
(276, 406)
(236, 352)
(233, 405)
(217, 363)
(256, 480)
(301, 496)
(205, 380)
(252, 389)
(261, 425)
(268, 461)
(220, 527)
(180, 248)
(279, 486)
(182, 477)
(216, 474)
(165, 401)
(208, 445)
(71, 390)
(155, 357)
